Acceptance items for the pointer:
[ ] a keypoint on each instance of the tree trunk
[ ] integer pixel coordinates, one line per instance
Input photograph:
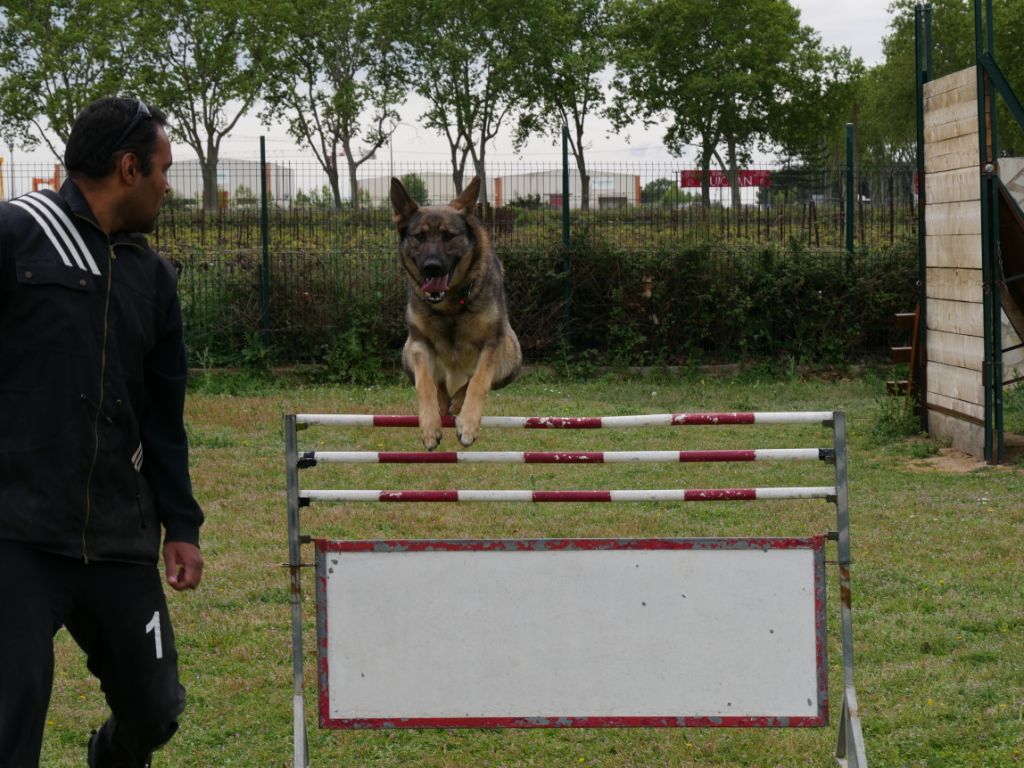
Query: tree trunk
(211, 193)
(581, 164)
(353, 185)
(584, 184)
(705, 180)
(458, 166)
(481, 171)
(734, 177)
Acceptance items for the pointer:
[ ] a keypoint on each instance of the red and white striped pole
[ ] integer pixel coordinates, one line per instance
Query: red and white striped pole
(564, 457)
(578, 422)
(681, 494)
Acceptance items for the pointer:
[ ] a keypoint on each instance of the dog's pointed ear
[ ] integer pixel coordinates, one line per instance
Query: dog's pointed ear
(402, 204)
(466, 202)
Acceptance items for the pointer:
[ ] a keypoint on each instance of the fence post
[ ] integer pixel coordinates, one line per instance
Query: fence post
(849, 189)
(566, 253)
(265, 232)
(11, 193)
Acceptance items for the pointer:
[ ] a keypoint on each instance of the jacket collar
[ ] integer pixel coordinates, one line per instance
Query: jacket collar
(76, 201)
(79, 206)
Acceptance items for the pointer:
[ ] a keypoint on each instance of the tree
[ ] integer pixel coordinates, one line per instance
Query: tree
(570, 54)
(200, 65)
(58, 57)
(335, 82)
(717, 70)
(664, 192)
(653, 191)
(807, 125)
(416, 187)
(890, 126)
(469, 61)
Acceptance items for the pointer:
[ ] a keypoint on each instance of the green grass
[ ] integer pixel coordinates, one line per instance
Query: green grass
(938, 579)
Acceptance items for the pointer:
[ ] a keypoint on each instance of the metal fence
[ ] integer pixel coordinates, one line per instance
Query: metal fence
(330, 265)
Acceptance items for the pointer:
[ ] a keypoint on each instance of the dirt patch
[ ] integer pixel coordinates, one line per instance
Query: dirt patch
(949, 460)
(957, 462)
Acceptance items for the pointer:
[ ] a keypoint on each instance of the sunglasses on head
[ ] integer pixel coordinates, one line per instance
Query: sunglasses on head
(142, 113)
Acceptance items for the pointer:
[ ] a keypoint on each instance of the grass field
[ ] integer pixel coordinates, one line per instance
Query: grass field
(938, 575)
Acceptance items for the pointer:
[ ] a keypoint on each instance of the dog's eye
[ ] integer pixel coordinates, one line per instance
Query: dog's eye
(446, 236)
(421, 237)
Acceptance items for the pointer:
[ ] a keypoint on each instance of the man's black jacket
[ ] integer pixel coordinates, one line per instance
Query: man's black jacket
(93, 451)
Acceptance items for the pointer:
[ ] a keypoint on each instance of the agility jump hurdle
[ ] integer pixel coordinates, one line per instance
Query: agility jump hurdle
(421, 634)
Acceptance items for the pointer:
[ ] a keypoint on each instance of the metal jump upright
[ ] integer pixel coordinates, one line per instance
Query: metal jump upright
(849, 753)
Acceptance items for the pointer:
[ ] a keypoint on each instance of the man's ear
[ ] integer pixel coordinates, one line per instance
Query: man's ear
(128, 168)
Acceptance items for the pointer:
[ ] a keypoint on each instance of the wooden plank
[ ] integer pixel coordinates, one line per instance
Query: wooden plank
(962, 218)
(956, 317)
(956, 383)
(953, 251)
(951, 130)
(900, 354)
(1011, 172)
(1013, 360)
(964, 94)
(961, 407)
(954, 146)
(952, 161)
(958, 111)
(956, 349)
(904, 321)
(1011, 239)
(962, 435)
(955, 97)
(954, 186)
(955, 284)
(958, 79)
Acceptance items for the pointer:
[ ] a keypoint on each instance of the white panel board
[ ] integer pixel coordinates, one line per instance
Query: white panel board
(557, 633)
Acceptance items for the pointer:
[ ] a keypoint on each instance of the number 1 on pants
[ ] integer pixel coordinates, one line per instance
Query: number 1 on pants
(154, 627)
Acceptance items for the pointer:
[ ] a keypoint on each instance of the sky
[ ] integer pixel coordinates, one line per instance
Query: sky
(859, 24)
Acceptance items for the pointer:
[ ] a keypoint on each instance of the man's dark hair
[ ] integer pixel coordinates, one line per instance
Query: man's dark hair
(98, 136)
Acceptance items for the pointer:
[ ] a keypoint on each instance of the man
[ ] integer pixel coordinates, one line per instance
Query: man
(93, 451)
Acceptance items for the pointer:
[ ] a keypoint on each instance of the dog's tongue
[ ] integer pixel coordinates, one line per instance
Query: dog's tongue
(436, 285)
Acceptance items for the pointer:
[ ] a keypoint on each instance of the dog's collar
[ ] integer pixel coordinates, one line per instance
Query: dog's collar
(466, 294)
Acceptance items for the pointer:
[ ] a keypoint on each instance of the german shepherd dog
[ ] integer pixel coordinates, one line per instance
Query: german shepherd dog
(460, 344)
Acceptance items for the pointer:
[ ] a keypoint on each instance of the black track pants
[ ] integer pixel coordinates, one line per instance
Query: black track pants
(117, 613)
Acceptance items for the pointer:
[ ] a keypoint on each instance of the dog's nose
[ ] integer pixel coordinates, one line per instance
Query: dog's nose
(433, 267)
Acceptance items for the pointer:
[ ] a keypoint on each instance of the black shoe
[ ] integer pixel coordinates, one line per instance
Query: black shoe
(94, 749)
(101, 754)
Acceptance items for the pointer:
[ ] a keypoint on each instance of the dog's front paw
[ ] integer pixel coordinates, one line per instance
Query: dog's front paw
(467, 429)
(455, 406)
(430, 432)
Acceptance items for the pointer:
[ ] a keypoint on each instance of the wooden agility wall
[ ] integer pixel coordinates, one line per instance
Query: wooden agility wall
(955, 395)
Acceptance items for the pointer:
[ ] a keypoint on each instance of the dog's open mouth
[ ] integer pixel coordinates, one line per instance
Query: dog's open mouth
(435, 289)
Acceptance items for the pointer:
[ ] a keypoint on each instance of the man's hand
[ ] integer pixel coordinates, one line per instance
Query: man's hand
(183, 564)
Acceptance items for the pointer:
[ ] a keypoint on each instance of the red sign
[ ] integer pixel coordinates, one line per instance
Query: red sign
(721, 178)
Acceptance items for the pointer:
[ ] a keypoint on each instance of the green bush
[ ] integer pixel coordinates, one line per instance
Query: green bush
(711, 303)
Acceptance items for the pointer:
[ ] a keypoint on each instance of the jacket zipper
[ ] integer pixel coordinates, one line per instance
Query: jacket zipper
(99, 405)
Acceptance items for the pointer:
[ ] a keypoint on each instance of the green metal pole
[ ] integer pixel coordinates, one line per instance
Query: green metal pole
(922, 58)
(566, 251)
(849, 188)
(986, 230)
(996, 269)
(928, 40)
(265, 232)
